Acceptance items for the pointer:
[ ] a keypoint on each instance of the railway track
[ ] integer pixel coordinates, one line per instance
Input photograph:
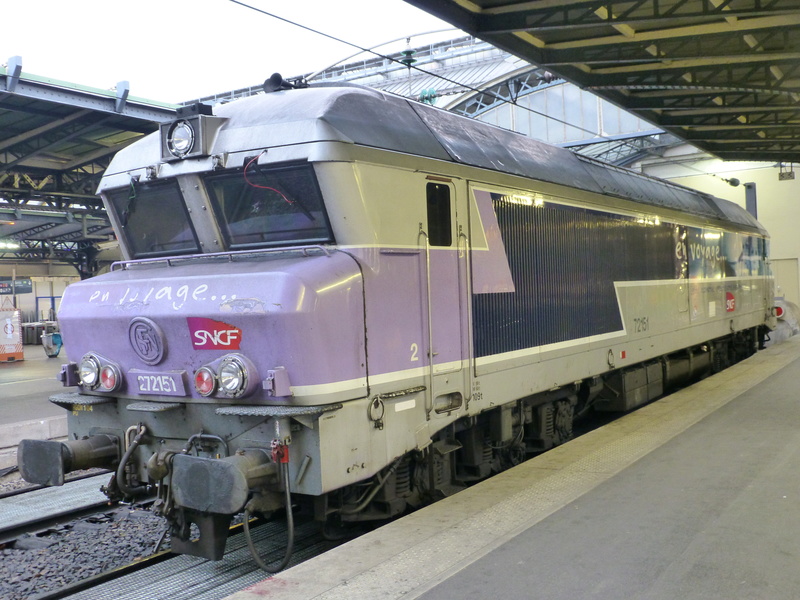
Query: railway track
(25, 487)
(61, 543)
(182, 577)
(90, 584)
(161, 573)
(51, 537)
(28, 510)
(16, 534)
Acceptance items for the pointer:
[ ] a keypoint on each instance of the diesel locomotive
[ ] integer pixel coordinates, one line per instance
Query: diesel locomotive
(337, 300)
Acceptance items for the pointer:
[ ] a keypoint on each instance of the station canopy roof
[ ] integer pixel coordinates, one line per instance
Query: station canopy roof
(56, 139)
(723, 75)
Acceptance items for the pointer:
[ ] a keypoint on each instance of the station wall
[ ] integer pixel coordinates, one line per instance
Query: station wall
(40, 300)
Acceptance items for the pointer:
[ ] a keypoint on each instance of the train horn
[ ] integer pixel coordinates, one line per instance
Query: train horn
(276, 83)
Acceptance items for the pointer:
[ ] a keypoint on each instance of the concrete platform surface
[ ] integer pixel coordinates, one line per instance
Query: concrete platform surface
(25, 386)
(25, 411)
(695, 496)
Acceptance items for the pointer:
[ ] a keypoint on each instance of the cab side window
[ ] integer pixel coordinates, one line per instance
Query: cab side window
(439, 218)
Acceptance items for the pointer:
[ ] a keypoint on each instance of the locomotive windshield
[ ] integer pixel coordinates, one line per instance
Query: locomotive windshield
(154, 219)
(259, 206)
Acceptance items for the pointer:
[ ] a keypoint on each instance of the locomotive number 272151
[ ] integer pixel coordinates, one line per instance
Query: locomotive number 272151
(156, 384)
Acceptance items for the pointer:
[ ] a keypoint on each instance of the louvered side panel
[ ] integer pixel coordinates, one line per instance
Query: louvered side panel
(564, 261)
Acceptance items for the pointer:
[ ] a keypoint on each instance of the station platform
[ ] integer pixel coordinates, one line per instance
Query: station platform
(25, 409)
(694, 496)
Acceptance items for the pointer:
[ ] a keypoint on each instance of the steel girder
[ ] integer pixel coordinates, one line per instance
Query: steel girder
(723, 75)
(56, 140)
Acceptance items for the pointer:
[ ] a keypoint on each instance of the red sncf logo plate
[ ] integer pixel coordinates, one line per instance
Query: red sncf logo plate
(730, 302)
(208, 334)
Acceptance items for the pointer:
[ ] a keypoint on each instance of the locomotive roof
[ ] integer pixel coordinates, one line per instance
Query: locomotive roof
(375, 119)
(371, 118)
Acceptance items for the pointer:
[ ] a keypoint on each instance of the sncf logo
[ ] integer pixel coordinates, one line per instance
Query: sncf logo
(208, 334)
(730, 302)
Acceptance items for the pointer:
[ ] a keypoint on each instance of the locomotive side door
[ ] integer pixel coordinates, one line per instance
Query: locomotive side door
(445, 245)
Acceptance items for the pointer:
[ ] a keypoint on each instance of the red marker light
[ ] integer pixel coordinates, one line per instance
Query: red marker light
(779, 311)
(108, 378)
(204, 381)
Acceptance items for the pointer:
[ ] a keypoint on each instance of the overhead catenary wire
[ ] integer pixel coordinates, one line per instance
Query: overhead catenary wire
(441, 77)
(419, 69)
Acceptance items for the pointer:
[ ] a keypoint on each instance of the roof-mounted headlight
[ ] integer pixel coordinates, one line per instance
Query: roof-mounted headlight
(180, 139)
(191, 134)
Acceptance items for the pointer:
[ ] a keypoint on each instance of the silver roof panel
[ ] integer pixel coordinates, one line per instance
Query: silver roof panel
(375, 119)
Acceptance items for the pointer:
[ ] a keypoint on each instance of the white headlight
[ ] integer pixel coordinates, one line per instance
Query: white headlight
(89, 371)
(232, 376)
(180, 139)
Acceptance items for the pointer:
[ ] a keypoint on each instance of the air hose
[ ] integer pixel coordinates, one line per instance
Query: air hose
(122, 482)
(289, 529)
(365, 502)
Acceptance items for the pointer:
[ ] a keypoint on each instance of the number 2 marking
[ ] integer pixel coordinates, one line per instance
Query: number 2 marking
(414, 352)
